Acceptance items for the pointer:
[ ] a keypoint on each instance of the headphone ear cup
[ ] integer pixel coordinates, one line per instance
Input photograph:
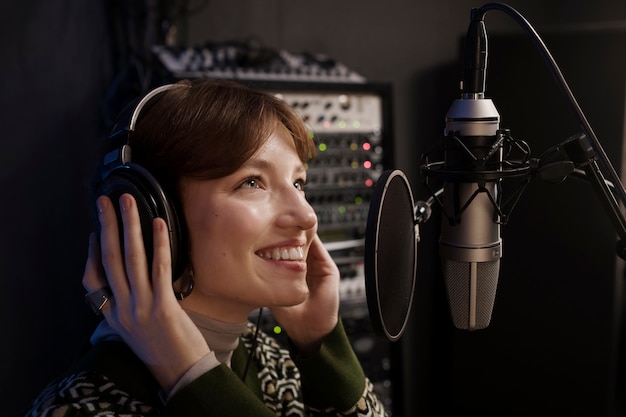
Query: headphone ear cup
(151, 203)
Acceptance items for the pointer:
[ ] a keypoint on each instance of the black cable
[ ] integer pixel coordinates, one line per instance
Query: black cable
(613, 183)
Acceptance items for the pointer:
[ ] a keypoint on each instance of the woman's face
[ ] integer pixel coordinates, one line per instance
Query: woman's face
(250, 233)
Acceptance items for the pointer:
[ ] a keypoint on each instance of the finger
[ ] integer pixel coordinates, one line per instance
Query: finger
(319, 258)
(94, 279)
(162, 261)
(110, 250)
(318, 250)
(93, 276)
(134, 250)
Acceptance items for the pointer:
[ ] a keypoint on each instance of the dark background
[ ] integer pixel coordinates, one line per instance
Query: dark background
(552, 346)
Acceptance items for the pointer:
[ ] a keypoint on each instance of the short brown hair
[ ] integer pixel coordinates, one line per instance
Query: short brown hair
(208, 128)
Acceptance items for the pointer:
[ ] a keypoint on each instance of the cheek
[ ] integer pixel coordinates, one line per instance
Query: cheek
(202, 223)
(224, 226)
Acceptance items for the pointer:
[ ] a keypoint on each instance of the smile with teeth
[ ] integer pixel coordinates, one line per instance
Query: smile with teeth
(294, 253)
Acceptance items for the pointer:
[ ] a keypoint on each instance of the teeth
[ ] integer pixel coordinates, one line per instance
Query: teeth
(292, 254)
(295, 253)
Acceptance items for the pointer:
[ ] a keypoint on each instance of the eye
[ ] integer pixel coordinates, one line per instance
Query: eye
(251, 182)
(300, 184)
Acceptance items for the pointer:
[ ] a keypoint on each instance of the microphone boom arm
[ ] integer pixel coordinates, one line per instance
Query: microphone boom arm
(583, 156)
(610, 199)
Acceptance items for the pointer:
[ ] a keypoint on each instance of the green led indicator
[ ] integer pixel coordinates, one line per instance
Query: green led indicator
(358, 200)
(322, 147)
(278, 330)
(342, 209)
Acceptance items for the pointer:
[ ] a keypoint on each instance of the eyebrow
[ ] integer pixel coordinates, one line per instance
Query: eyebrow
(266, 164)
(258, 163)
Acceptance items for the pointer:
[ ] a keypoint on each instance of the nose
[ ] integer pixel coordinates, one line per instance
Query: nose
(295, 210)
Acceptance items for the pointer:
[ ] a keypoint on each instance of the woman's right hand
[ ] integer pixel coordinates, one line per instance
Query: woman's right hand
(144, 312)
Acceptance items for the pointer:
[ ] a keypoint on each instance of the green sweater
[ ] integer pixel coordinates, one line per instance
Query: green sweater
(110, 380)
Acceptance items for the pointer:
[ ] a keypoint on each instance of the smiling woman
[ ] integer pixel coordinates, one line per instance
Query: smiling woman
(236, 221)
(175, 291)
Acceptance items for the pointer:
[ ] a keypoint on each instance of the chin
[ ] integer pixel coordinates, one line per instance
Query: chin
(293, 299)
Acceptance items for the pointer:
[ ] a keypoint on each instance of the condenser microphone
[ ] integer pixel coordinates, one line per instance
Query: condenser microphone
(470, 245)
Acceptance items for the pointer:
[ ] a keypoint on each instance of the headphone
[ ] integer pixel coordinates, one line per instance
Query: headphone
(117, 174)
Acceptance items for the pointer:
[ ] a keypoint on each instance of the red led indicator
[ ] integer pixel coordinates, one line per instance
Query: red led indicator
(367, 146)
(367, 164)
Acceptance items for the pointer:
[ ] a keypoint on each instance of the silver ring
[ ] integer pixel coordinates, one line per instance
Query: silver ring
(97, 299)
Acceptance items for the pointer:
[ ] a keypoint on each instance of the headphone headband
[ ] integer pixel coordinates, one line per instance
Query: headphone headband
(143, 102)
(116, 150)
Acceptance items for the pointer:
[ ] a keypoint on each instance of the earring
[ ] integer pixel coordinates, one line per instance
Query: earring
(188, 279)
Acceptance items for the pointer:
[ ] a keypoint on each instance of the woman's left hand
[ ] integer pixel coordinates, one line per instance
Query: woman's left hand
(308, 323)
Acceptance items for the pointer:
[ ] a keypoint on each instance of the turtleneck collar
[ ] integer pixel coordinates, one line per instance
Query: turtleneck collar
(221, 337)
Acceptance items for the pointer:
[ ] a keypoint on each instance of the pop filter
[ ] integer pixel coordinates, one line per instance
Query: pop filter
(390, 260)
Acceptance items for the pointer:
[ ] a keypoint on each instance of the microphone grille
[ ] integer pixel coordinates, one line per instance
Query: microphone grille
(471, 290)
